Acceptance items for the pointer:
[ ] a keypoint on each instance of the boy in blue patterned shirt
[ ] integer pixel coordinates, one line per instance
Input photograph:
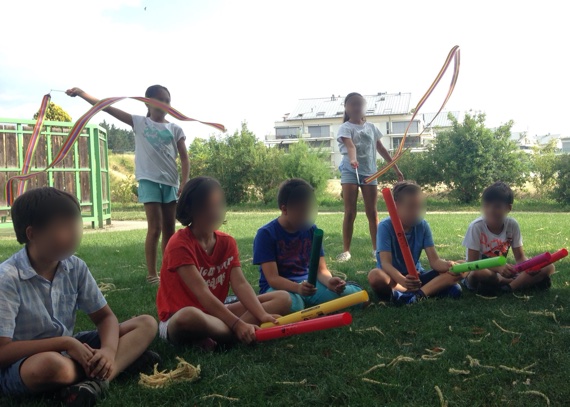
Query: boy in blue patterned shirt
(41, 288)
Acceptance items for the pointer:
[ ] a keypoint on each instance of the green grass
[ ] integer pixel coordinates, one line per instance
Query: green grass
(332, 362)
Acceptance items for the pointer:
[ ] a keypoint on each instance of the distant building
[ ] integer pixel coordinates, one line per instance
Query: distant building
(528, 143)
(316, 121)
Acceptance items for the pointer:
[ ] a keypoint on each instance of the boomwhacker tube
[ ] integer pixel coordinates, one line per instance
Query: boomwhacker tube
(315, 255)
(558, 255)
(318, 324)
(479, 264)
(535, 261)
(399, 229)
(321, 309)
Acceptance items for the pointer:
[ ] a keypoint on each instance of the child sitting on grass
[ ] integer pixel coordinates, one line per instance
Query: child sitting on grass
(282, 249)
(200, 264)
(390, 280)
(493, 235)
(41, 287)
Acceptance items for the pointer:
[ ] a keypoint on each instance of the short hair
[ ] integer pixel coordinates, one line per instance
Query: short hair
(403, 188)
(194, 198)
(295, 191)
(41, 206)
(499, 192)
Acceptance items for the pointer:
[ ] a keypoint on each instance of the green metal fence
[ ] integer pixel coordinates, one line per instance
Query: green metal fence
(83, 173)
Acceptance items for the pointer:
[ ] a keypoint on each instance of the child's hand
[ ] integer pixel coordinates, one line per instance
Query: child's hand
(268, 318)
(245, 332)
(81, 354)
(306, 289)
(412, 283)
(354, 163)
(507, 271)
(336, 284)
(102, 363)
(73, 92)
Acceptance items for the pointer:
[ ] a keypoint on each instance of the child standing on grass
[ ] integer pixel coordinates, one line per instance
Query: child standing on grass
(358, 142)
(157, 144)
(493, 235)
(282, 249)
(390, 280)
(200, 264)
(41, 287)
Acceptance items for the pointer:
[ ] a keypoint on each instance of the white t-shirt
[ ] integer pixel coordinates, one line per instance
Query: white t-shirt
(364, 138)
(488, 244)
(156, 150)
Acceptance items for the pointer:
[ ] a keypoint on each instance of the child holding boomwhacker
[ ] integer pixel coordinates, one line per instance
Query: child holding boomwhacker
(492, 235)
(282, 248)
(399, 275)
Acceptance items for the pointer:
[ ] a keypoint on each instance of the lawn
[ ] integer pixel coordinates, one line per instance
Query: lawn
(327, 368)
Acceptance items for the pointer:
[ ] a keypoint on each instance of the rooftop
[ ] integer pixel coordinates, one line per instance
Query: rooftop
(440, 121)
(381, 104)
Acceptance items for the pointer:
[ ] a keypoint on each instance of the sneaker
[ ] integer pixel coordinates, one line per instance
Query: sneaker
(84, 394)
(408, 297)
(231, 299)
(451, 292)
(345, 256)
(374, 254)
(144, 364)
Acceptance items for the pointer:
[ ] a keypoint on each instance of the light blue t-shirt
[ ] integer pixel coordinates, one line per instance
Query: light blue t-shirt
(364, 138)
(419, 237)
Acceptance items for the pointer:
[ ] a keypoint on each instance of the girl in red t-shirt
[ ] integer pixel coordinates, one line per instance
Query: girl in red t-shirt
(199, 266)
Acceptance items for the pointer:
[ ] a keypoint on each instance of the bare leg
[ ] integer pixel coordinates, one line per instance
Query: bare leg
(190, 324)
(168, 222)
(50, 371)
(370, 196)
(135, 335)
(444, 280)
(154, 221)
(525, 280)
(350, 196)
(274, 303)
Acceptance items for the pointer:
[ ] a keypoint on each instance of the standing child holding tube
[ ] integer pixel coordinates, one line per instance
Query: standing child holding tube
(200, 264)
(493, 234)
(282, 249)
(157, 144)
(390, 280)
(358, 143)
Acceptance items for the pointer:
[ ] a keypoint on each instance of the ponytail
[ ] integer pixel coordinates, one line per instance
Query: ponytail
(346, 117)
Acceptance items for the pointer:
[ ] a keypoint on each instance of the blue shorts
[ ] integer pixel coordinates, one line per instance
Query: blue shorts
(11, 383)
(349, 177)
(153, 192)
(453, 292)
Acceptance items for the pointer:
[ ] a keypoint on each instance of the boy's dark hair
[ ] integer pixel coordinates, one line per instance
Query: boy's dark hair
(499, 192)
(405, 188)
(350, 95)
(194, 198)
(294, 191)
(152, 91)
(38, 207)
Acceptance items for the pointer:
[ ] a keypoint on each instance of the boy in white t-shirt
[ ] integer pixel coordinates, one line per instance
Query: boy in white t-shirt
(493, 235)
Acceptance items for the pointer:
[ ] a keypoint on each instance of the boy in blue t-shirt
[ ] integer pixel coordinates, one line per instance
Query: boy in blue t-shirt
(282, 249)
(390, 279)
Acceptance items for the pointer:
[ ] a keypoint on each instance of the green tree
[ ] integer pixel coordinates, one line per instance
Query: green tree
(55, 113)
(312, 165)
(471, 156)
(119, 140)
(418, 167)
(543, 165)
(561, 191)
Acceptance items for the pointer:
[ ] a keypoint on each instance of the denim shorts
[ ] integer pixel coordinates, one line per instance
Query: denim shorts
(349, 177)
(153, 192)
(11, 383)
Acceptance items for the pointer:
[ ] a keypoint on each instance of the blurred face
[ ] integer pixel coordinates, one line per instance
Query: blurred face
(59, 239)
(214, 212)
(300, 216)
(161, 96)
(495, 212)
(355, 107)
(411, 209)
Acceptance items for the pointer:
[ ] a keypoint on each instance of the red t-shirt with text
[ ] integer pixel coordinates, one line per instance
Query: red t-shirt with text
(184, 250)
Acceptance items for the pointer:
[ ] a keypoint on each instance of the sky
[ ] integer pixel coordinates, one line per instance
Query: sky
(250, 60)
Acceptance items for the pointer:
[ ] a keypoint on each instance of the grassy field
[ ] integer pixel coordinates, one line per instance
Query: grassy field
(327, 368)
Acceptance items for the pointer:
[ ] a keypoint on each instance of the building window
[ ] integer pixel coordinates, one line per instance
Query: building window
(411, 142)
(287, 132)
(320, 131)
(400, 127)
(322, 145)
(565, 146)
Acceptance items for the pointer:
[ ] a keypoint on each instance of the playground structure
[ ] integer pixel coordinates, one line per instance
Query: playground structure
(83, 173)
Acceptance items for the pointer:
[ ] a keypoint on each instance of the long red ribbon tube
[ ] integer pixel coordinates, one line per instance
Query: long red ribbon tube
(399, 229)
(556, 256)
(78, 127)
(453, 56)
(535, 261)
(302, 327)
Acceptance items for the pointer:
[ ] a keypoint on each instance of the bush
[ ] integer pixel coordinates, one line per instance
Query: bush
(543, 165)
(124, 190)
(311, 165)
(418, 167)
(561, 192)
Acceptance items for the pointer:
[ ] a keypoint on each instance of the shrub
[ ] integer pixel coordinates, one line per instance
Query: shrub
(561, 192)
